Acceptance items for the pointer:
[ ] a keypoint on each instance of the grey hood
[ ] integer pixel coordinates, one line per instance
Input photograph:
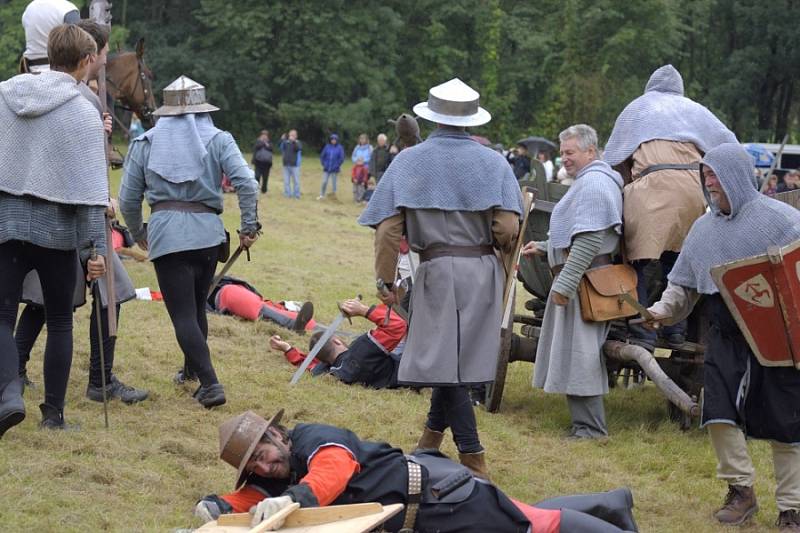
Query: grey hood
(33, 95)
(662, 112)
(754, 223)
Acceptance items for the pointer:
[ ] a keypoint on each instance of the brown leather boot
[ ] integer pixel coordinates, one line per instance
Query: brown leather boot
(476, 462)
(430, 439)
(788, 521)
(740, 505)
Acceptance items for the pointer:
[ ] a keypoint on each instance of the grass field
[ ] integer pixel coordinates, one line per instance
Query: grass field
(160, 456)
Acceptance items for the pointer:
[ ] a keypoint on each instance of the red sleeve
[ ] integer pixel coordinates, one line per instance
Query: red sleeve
(389, 335)
(243, 499)
(296, 357)
(329, 472)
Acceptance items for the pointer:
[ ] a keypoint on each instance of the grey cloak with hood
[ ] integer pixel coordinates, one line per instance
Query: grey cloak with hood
(737, 389)
(569, 354)
(448, 188)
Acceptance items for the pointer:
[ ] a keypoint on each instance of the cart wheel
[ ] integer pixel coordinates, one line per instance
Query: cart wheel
(494, 391)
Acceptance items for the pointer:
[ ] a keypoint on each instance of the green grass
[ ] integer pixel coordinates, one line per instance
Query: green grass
(159, 457)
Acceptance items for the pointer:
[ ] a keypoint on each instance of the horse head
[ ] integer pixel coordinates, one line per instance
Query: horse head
(131, 82)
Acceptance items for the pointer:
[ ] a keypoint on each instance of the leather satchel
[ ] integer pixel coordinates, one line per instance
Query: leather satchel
(599, 291)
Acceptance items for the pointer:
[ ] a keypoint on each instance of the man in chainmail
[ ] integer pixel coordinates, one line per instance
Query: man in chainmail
(656, 145)
(584, 232)
(741, 397)
(457, 203)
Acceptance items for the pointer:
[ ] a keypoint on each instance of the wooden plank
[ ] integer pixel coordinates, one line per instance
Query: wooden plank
(361, 524)
(312, 516)
(235, 519)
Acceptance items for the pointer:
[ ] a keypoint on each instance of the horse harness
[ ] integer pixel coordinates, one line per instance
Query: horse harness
(140, 81)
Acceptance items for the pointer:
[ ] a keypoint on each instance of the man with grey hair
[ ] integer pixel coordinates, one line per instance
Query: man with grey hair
(585, 229)
(380, 159)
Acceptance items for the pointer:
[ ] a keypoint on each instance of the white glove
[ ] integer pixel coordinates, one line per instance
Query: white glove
(268, 507)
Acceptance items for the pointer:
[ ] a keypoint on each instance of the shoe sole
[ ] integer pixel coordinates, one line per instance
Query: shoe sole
(215, 402)
(11, 420)
(744, 519)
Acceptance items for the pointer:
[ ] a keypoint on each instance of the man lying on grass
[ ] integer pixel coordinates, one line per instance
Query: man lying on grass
(318, 465)
(368, 360)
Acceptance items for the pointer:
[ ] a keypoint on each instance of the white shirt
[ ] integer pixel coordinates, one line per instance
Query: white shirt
(39, 18)
(548, 169)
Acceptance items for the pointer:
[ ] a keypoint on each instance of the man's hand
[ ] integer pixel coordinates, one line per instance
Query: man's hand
(354, 307)
(559, 299)
(655, 323)
(142, 244)
(108, 123)
(531, 249)
(387, 297)
(247, 240)
(276, 343)
(95, 268)
(111, 210)
(268, 507)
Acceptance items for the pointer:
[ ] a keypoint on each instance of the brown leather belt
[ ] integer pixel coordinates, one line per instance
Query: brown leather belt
(669, 166)
(37, 62)
(446, 250)
(184, 207)
(599, 260)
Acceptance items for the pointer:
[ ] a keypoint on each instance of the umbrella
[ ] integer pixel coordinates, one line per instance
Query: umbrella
(763, 158)
(537, 144)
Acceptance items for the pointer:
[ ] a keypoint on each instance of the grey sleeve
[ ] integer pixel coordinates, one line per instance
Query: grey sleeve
(91, 229)
(131, 194)
(73, 17)
(584, 247)
(676, 303)
(243, 180)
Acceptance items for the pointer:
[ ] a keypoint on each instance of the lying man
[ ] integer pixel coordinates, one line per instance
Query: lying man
(237, 297)
(368, 360)
(319, 465)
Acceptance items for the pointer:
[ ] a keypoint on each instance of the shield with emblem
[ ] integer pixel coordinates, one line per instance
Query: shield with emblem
(763, 295)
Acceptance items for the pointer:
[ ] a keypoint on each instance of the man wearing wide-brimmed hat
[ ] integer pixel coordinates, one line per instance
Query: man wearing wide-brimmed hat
(319, 465)
(177, 167)
(457, 203)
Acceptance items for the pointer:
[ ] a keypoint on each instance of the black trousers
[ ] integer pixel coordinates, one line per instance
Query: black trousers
(451, 407)
(56, 269)
(184, 279)
(30, 324)
(262, 174)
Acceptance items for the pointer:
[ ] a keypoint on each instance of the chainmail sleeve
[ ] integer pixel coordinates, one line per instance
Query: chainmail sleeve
(584, 247)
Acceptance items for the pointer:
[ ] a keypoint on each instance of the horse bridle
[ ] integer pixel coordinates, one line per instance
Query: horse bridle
(145, 110)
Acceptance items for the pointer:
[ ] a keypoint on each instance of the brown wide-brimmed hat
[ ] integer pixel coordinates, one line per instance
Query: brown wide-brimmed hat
(238, 437)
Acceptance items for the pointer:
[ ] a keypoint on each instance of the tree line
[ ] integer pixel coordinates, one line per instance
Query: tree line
(325, 66)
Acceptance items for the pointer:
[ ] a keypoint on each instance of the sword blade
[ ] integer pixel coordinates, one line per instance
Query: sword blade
(317, 347)
(633, 302)
(224, 270)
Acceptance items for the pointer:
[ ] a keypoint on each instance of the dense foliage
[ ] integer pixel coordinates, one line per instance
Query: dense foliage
(349, 66)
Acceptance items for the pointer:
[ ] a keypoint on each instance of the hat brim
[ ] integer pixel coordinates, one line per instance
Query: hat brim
(241, 474)
(172, 110)
(477, 119)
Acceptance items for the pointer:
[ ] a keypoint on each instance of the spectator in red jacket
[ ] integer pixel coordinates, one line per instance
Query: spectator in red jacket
(360, 177)
(368, 360)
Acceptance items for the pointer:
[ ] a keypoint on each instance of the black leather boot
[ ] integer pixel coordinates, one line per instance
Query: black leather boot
(12, 407)
(614, 506)
(52, 417)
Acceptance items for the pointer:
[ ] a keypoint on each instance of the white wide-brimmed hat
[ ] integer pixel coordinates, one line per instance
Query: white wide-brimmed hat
(184, 96)
(453, 103)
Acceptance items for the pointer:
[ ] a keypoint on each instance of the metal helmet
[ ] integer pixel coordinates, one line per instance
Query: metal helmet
(453, 103)
(184, 96)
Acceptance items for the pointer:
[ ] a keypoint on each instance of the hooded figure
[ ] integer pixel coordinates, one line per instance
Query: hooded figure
(457, 203)
(177, 166)
(331, 157)
(741, 397)
(656, 145)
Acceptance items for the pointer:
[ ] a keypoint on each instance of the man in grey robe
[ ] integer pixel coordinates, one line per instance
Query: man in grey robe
(584, 232)
(457, 203)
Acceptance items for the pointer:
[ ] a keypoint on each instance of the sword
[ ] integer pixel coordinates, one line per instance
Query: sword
(227, 266)
(381, 286)
(324, 338)
(633, 302)
(98, 304)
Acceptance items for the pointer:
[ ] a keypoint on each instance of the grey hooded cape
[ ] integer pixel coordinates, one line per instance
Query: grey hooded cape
(662, 112)
(754, 223)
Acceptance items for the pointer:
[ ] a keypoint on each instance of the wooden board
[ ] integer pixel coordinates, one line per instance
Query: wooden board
(362, 524)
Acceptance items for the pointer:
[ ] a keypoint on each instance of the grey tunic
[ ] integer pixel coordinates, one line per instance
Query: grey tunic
(454, 328)
(569, 356)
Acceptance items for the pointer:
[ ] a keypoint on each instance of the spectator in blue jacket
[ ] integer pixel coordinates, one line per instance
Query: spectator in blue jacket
(362, 150)
(332, 157)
